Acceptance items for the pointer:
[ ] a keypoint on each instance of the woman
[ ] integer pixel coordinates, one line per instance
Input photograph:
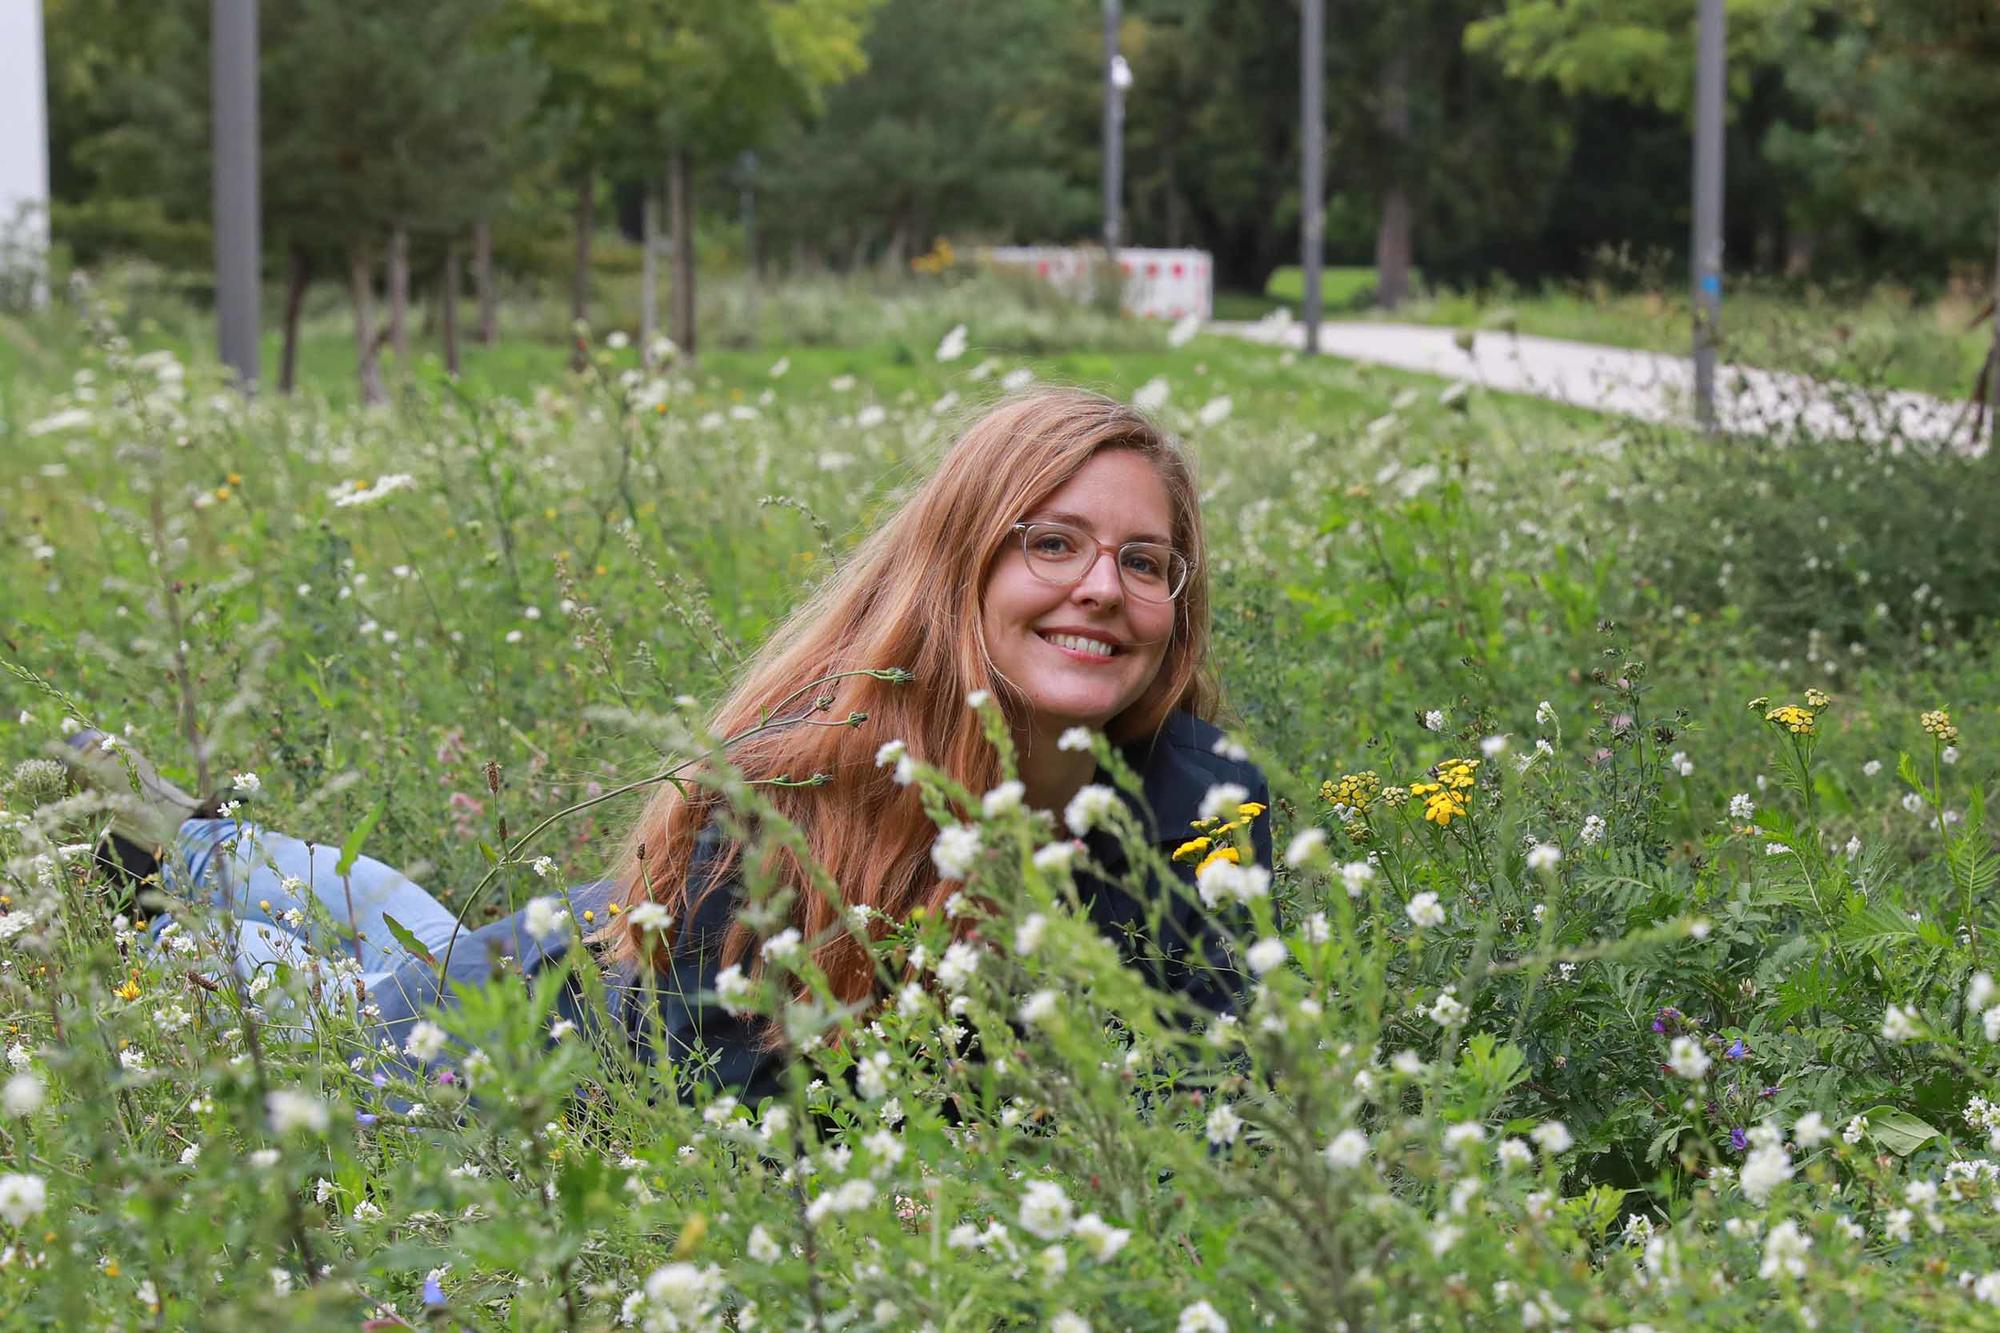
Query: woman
(1053, 561)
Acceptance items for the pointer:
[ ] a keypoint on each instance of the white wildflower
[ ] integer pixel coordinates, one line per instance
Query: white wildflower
(22, 1198)
(1348, 1150)
(955, 969)
(1224, 1125)
(1901, 1024)
(1046, 1212)
(1003, 799)
(290, 1109)
(1305, 849)
(1221, 800)
(1266, 954)
(1689, 1059)
(545, 918)
(955, 851)
(1090, 807)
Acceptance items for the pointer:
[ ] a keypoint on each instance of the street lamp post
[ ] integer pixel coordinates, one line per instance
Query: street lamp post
(1705, 258)
(233, 74)
(1117, 77)
(1312, 151)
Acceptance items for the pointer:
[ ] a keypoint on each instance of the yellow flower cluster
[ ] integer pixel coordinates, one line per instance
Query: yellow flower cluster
(940, 258)
(1357, 791)
(1799, 721)
(1938, 723)
(1446, 797)
(1210, 843)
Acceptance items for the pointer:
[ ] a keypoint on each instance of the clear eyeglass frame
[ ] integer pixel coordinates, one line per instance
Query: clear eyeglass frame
(1179, 567)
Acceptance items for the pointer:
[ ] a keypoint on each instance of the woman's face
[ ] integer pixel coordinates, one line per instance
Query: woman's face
(1117, 497)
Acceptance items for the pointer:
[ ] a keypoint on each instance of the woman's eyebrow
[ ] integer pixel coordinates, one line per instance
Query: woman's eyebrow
(1079, 521)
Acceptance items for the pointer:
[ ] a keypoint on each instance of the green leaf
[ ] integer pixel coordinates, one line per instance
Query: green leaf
(351, 848)
(1906, 769)
(1898, 1131)
(409, 942)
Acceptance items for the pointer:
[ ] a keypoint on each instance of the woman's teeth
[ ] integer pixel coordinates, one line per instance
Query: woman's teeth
(1076, 643)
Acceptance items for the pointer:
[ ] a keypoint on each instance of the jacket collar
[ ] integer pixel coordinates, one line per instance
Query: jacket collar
(1176, 765)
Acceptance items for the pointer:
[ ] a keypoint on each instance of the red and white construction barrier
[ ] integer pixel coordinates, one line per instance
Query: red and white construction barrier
(1166, 284)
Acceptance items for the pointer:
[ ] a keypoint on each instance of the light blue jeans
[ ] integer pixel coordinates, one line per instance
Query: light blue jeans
(243, 870)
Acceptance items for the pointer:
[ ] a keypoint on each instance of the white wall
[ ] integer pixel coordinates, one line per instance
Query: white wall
(24, 140)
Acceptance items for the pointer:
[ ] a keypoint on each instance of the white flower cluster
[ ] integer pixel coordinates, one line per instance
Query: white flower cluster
(1090, 807)
(676, 1298)
(1767, 1166)
(1222, 882)
(956, 851)
(349, 496)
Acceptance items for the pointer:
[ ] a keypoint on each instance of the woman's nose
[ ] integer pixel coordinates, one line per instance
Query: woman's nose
(1101, 581)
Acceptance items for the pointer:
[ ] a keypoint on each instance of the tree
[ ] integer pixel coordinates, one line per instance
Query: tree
(384, 120)
(947, 131)
(637, 85)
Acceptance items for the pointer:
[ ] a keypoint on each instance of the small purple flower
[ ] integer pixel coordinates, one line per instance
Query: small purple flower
(1738, 1140)
(365, 1118)
(433, 1292)
(1768, 1093)
(381, 1080)
(447, 1077)
(1737, 1050)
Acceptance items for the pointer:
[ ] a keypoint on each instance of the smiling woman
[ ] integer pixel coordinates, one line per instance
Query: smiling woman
(1052, 565)
(1053, 561)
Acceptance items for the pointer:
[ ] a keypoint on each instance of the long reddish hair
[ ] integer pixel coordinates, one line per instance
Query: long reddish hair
(910, 596)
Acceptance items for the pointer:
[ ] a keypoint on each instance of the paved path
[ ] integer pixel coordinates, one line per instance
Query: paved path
(1654, 386)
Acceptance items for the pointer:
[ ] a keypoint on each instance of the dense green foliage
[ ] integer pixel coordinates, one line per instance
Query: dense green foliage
(1535, 132)
(1657, 1012)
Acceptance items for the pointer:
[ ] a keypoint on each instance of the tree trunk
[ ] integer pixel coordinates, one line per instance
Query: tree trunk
(399, 296)
(579, 287)
(649, 275)
(360, 289)
(482, 282)
(450, 304)
(295, 298)
(680, 210)
(1392, 232)
(1801, 244)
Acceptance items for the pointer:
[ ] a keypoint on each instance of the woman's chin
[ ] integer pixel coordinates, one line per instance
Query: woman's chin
(1059, 712)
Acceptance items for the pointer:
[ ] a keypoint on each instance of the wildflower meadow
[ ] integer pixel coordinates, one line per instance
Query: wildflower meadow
(1628, 962)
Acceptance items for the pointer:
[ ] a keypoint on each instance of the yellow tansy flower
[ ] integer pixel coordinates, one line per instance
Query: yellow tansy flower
(1357, 791)
(1219, 854)
(1797, 720)
(1192, 848)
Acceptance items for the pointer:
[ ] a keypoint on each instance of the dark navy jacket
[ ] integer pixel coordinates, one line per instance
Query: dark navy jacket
(1177, 766)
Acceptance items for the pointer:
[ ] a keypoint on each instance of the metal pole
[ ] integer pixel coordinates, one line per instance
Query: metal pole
(1705, 258)
(1993, 364)
(649, 273)
(233, 72)
(746, 165)
(1312, 153)
(24, 157)
(747, 201)
(1114, 128)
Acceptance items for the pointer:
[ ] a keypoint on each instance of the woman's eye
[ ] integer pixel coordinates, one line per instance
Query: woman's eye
(1139, 562)
(1052, 543)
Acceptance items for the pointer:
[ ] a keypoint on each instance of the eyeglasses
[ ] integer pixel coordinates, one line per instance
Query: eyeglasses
(1058, 553)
